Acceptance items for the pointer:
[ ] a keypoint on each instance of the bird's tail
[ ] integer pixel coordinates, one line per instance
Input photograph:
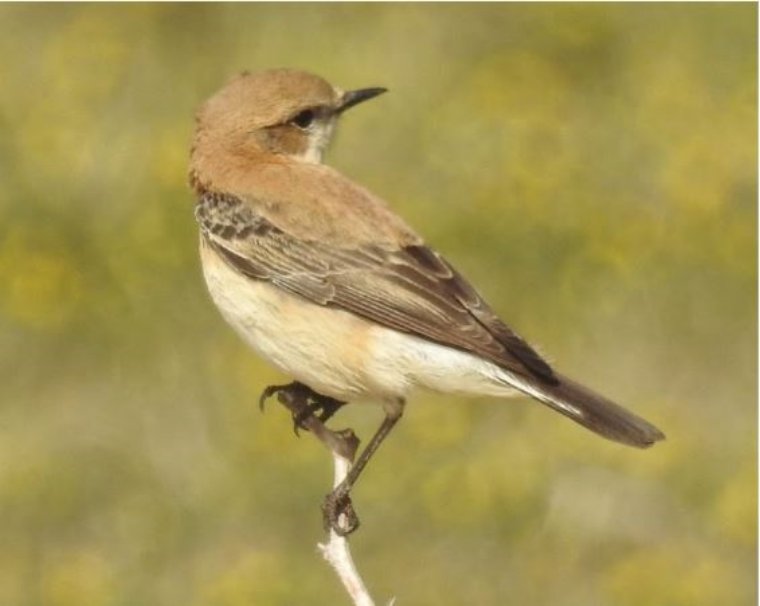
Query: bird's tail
(597, 413)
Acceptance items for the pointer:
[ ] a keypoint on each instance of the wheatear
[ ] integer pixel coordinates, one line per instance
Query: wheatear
(320, 277)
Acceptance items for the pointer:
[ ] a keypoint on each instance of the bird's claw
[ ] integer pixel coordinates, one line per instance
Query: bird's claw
(299, 418)
(310, 403)
(338, 513)
(268, 392)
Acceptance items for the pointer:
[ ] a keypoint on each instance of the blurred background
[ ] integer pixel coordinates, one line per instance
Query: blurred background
(592, 168)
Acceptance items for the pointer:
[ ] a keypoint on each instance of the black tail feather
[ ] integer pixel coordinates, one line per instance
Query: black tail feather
(599, 414)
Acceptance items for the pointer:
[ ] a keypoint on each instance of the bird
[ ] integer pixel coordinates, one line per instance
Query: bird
(321, 278)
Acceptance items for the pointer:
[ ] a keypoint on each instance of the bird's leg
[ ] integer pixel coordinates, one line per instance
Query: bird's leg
(296, 398)
(338, 502)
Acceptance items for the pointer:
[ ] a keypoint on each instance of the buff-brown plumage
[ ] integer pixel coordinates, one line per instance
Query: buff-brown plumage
(295, 240)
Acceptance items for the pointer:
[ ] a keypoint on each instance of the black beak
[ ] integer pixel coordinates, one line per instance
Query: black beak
(352, 97)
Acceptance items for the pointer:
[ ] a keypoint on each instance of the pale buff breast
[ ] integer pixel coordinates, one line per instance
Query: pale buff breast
(321, 347)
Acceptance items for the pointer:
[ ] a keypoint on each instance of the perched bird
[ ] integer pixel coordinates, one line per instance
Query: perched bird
(322, 279)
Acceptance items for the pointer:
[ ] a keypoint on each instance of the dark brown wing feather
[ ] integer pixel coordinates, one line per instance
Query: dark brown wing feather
(412, 290)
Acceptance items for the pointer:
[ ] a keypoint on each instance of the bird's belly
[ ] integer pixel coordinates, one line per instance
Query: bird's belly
(433, 366)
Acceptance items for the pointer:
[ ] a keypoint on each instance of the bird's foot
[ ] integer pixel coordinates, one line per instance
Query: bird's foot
(319, 406)
(295, 392)
(338, 512)
(303, 403)
(295, 396)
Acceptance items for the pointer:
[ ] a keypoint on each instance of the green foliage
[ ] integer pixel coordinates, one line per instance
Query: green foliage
(591, 167)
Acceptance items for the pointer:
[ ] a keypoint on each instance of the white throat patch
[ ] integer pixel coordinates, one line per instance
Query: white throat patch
(319, 138)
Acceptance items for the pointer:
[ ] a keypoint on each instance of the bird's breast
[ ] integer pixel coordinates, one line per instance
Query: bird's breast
(327, 349)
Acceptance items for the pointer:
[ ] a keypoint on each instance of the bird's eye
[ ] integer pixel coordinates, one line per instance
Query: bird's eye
(304, 119)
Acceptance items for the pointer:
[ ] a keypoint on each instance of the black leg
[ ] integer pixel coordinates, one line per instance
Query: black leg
(338, 501)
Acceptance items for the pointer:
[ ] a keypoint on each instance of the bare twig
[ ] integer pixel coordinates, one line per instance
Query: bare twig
(343, 446)
(337, 552)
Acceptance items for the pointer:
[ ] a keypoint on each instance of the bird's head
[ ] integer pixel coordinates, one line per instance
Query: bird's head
(281, 111)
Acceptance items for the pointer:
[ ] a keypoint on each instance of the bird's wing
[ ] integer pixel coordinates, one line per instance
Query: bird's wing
(410, 289)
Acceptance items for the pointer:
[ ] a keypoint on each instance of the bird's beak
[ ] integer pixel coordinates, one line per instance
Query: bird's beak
(352, 97)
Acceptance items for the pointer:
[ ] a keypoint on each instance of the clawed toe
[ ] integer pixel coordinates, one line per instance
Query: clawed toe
(338, 513)
(270, 391)
(321, 407)
(304, 403)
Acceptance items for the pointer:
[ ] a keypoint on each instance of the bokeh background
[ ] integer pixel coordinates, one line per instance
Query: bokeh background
(592, 168)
